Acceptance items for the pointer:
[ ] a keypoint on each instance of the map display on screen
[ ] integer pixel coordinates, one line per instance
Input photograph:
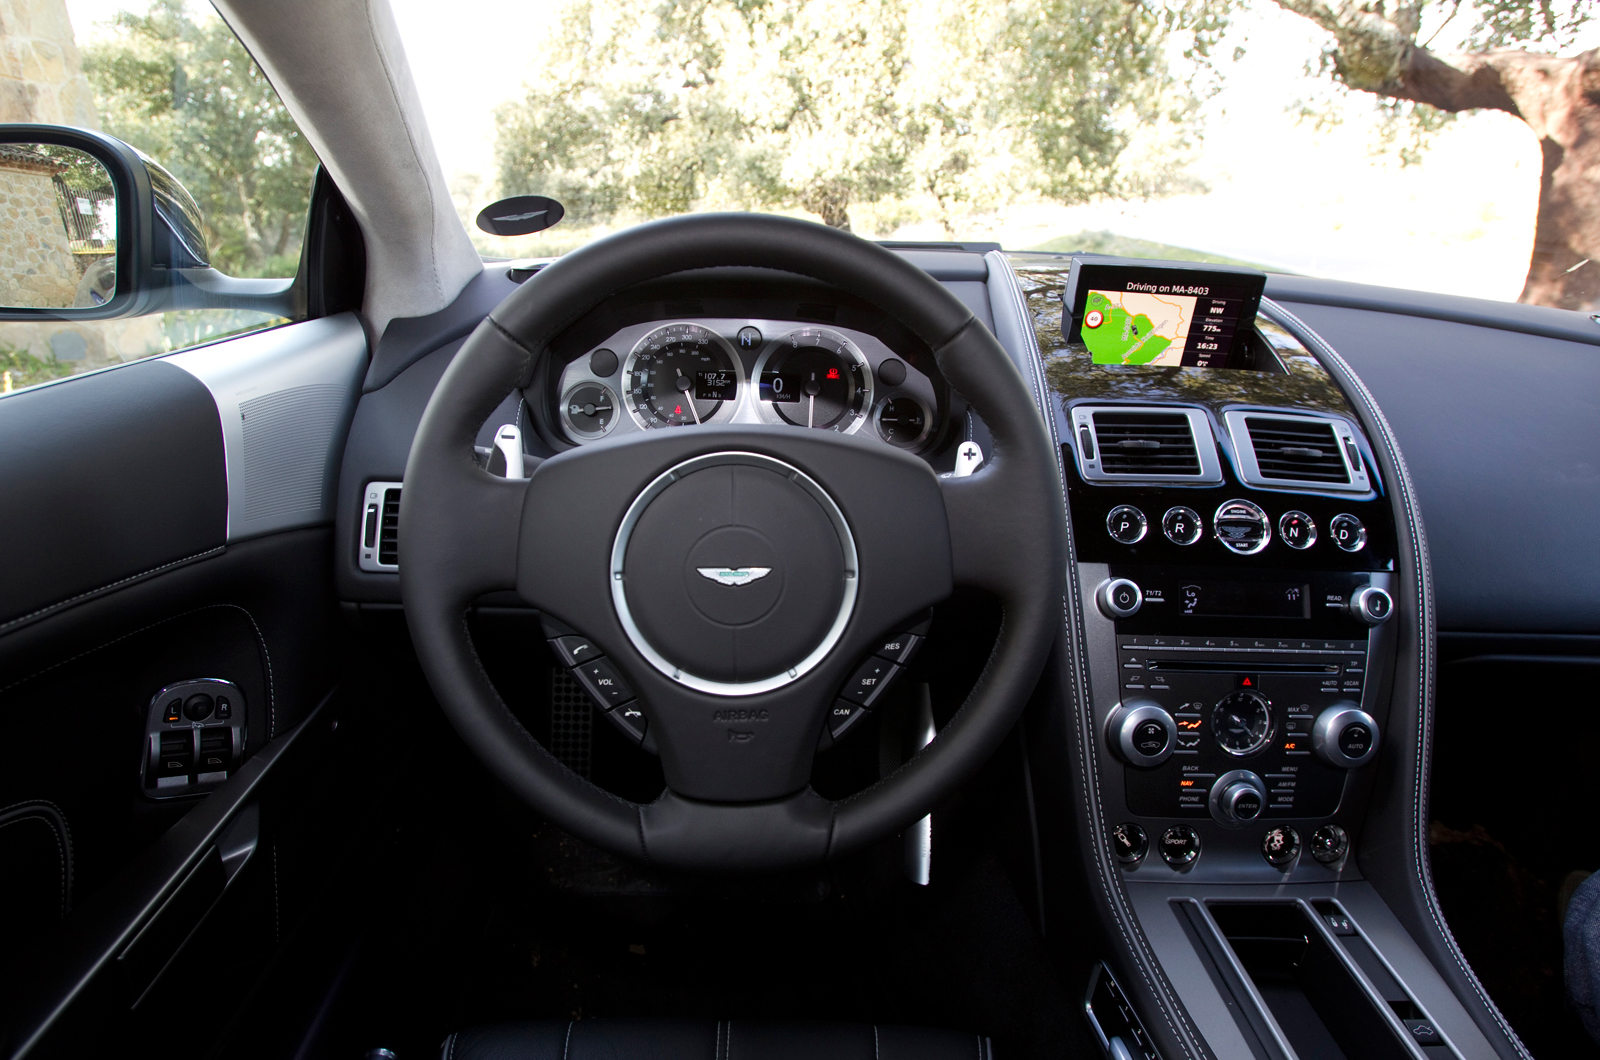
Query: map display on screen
(1164, 317)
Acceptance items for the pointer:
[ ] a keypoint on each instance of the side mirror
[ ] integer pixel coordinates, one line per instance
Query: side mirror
(100, 231)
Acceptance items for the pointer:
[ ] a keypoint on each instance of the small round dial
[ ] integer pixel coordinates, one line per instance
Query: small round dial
(816, 378)
(1242, 722)
(903, 421)
(589, 410)
(678, 375)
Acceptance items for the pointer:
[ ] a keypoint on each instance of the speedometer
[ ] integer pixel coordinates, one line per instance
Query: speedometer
(815, 378)
(680, 374)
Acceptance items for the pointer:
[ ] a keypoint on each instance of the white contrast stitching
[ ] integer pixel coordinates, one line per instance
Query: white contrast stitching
(1426, 649)
(69, 601)
(566, 1045)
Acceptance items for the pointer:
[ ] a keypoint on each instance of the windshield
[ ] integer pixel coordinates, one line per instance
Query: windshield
(1197, 129)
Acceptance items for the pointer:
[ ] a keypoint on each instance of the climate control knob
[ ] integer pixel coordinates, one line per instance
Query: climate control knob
(1237, 798)
(1345, 736)
(1371, 605)
(1142, 733)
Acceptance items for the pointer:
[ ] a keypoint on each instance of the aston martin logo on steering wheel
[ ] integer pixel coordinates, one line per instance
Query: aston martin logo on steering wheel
(734, 575)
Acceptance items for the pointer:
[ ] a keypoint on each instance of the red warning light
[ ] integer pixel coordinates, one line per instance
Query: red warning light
(833, 373)
(677, 410)
(1246, 682)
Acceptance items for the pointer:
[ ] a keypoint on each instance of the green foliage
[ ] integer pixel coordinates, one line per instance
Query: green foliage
(653, 107)
(189, 95)
(1127, 247)
(24, 369)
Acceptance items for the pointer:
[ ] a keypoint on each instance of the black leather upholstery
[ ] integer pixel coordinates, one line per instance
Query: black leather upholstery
(647, 1039)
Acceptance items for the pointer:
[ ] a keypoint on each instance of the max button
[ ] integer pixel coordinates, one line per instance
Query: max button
(575, 651)
(603, 682)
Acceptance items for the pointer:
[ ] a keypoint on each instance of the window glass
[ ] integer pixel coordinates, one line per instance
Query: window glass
(230, 171)
(1404, 144)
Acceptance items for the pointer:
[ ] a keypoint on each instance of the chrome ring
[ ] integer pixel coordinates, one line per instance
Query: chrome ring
(619, 599)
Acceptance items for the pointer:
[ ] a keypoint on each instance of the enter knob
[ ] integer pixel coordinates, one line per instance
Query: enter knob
(1371, 605)
(1345, 736)
(1237, 798)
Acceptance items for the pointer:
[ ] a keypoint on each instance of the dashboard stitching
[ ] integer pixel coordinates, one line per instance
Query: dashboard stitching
(1088, 771)
(1425, 671)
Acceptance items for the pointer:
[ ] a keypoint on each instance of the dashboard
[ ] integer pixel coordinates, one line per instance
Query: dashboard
(661, 374)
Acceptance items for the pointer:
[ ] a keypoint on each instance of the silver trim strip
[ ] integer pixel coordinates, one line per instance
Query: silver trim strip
(331, 351)
(1250, 470)
(619, 597)
(1205, 445)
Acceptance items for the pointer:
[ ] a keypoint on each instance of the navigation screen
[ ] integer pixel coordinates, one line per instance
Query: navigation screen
(1158, 316)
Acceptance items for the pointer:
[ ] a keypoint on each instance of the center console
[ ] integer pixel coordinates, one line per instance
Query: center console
(1241, 620)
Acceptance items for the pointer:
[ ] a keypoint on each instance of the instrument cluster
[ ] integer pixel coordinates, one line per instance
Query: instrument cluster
(682, 373)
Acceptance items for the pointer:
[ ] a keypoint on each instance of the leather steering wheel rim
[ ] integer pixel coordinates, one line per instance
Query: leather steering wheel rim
(464, 533)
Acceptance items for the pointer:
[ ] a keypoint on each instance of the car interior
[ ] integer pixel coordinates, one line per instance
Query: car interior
(739, 638)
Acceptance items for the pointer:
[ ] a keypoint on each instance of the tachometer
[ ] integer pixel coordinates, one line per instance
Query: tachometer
(680, 374)
(817, 378)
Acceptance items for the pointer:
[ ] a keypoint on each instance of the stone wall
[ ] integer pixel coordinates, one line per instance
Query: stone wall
(37, 270)
(41, 70)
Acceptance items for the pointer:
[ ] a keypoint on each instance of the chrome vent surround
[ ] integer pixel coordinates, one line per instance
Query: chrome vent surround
(379, 545)
(1287, 450)
(1144, 443)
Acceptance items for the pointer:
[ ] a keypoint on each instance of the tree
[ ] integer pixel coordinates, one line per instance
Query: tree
(189, 95)
(1377, 49)
(826, 104)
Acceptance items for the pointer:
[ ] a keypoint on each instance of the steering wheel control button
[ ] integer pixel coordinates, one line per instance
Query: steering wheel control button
(1330, 844)
(575, 651)
(1142, 733)
(733, 573)
(1372, 605)
(1297, 530)
(1345, 736)
(899, 648)
(1118, 598)
(844, 716)
(198, 707)
(1182, 525)
(870, 681)
(1126, 524)
(630, 721)
(1237, 798)
(1280, 846)
(1180, 846)
(1129, 843)
(1242, 527)
(1347, 532)
(603, 682)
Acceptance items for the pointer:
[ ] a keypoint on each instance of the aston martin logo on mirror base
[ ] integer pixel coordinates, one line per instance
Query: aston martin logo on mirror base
(734, 575)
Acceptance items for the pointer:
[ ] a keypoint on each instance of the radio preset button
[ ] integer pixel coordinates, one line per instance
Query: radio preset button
(1347, 532)
(1182, 525)
(1126, 524)
(1242, 527)
(1297, 530)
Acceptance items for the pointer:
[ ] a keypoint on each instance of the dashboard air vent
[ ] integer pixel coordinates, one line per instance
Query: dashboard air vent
(1289, 451)
(1297, 450)
(379, 547)
(1145, 443)
(1125, 443)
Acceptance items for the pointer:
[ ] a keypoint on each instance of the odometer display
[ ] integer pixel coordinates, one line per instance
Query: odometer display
(680, 374)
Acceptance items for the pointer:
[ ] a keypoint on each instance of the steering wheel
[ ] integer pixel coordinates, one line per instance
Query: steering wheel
(735, 681)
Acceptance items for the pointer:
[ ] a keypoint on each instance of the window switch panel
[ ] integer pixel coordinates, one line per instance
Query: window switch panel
(188, 750)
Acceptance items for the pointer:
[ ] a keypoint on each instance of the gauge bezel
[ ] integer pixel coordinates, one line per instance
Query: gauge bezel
(898, 395)
(857, 361)
(724, 412)
(572, 429)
